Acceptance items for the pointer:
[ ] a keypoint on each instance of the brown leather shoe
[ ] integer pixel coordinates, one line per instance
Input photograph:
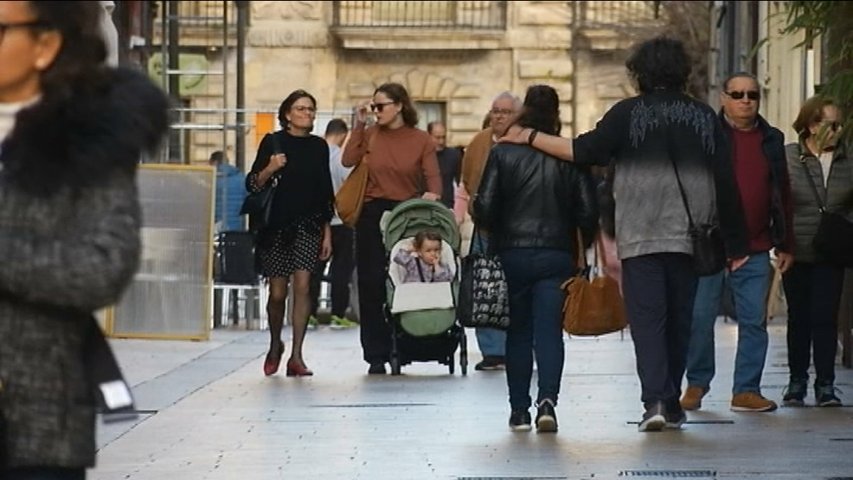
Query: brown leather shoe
(751, 402)
(692, 398)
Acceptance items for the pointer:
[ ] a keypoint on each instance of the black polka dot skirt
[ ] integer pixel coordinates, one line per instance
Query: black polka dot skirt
(296, 247)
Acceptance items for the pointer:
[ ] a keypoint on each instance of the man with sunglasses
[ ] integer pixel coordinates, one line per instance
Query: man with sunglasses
(761, 174)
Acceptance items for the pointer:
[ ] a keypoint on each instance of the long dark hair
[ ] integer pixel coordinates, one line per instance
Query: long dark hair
(398, 94)
(287, 104)
(79, 64)
(659, 64)
(541, 110)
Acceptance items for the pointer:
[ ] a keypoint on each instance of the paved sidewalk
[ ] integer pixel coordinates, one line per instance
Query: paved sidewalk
(209, 413)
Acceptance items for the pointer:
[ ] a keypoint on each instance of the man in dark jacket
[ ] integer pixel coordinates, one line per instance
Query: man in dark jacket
(760, 169)
(645, 138)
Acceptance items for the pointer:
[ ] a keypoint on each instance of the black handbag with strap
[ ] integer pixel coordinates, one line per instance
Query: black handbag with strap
(258, 205)
(709, 253)
(834, 238)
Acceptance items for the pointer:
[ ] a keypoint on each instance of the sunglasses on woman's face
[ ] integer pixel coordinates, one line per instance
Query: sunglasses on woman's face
(378, 107)
(750, 94)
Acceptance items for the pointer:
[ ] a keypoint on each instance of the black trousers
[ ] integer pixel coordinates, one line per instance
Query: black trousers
(659, 291)
(813, 292)
(371, 265)
(340, 272)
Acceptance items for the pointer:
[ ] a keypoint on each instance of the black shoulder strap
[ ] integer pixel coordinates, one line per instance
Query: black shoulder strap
(669, 152)
(820, 204)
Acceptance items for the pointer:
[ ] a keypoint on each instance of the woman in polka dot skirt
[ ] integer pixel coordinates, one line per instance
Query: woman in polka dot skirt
(298, 233)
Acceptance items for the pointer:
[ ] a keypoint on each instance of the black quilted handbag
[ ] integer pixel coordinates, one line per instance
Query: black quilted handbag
(483, 293)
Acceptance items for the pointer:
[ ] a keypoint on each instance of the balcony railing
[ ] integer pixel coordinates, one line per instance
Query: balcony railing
(620, 14)
(445, 15)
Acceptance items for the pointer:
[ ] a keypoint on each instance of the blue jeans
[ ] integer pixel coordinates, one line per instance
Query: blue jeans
(534, 276)
(749, 286)
(492, 342)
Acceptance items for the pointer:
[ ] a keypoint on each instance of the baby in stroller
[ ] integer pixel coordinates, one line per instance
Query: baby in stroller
(422, 261)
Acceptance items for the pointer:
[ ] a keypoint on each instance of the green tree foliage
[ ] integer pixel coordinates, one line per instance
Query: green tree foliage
(831, 21)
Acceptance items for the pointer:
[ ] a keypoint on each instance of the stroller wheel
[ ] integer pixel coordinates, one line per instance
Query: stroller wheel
(451, 364)
(395, 365)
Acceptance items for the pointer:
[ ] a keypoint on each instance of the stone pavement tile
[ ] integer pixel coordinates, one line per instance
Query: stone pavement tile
(426, 424)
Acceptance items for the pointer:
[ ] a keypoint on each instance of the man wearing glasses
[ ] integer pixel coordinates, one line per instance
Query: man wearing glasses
(492, 342)
(761, 174)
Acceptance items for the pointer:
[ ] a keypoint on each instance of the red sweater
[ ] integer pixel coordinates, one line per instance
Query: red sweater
(752, 172)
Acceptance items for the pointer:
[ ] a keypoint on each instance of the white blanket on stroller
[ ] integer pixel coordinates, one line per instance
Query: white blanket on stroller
(410, 297)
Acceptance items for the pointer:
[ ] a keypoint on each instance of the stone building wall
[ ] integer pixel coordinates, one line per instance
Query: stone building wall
(294, 45)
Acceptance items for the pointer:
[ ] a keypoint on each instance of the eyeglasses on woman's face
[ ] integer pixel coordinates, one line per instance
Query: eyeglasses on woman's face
(832, 125)
(379, 106)
(304, 108)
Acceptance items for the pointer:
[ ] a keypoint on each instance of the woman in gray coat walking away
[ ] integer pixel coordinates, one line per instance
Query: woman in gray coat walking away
(72, 132)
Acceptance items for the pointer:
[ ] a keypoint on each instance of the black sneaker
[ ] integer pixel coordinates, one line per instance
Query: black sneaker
(824, 394)
(795, 393)
(674, 416)
(519, 421)
(376, 369)
(654, 419)
(546, 418)
(491, 362)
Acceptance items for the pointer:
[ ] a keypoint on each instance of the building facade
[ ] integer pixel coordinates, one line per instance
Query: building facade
(454, 57)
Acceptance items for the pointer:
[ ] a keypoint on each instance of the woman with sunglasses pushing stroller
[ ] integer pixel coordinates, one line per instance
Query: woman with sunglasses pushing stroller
(401, 162)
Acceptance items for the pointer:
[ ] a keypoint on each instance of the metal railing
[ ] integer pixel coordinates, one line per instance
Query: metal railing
(619, 14)
(447, 15)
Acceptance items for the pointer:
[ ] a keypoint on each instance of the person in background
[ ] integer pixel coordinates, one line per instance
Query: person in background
(299, 233)
(813, 285)
(491, 341)
(69, 224)
(449, 162)
(645, 137)
(342, 261)
(758, 155)
(534, 208)
(401, 165)
(230, 193)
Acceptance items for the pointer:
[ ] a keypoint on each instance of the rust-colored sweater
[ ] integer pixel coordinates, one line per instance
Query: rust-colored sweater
(474, 160)
(401, 162)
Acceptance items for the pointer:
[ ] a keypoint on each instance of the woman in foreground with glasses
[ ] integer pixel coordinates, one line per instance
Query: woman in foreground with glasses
(72, 132)
(813, 284)
(298, 234)
(402, 162)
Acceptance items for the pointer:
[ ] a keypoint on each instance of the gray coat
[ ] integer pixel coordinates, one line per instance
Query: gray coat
(806, 215)
(69, 240)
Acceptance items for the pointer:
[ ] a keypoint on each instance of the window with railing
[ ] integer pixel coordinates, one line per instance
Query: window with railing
(473, 15)
(619, 14)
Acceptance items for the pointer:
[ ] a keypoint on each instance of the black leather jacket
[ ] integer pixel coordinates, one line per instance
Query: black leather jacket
(528, 199)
